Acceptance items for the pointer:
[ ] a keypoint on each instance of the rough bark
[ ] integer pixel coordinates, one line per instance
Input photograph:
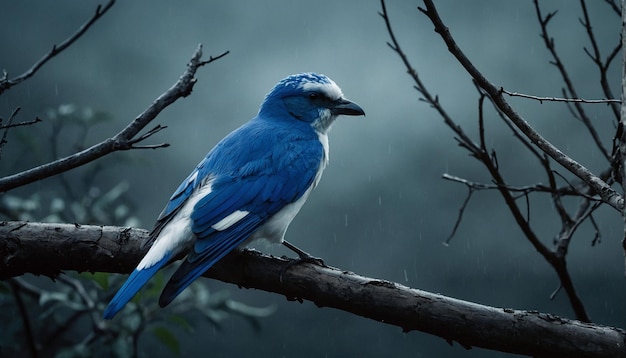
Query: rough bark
(49, 249)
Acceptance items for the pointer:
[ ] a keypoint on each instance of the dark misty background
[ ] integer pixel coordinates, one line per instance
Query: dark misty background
(381, 209)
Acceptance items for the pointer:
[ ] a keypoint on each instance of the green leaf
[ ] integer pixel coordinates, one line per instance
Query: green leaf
(100, 278)
(181, 322)
(166, 337)
(4, 289)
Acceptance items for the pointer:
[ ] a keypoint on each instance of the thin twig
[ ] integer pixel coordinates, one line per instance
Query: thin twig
(555, 292)
(28, 329)
(5, 83)
(146, 135)
(433, 100)
(21, 124)
(566, 220)
(569, 84)
(124, 140)
(608, 194)
(598, 185)
(9, 125)
(614, 6)
(568, 190)
(470, 191)
(559, 99)
(596, 57)
(597, 237)
(585, 211)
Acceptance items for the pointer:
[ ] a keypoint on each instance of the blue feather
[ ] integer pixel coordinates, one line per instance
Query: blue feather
(206, 254)
(136, 280)
(244, 188)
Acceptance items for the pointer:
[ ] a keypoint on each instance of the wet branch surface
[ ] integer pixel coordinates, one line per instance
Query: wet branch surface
(50, 249)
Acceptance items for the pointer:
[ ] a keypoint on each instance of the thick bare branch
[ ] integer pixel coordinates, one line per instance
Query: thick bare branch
(48, 249)
(123, 140)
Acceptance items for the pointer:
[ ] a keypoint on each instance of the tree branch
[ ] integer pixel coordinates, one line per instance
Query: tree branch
(523, 190)
(596, 58)
(5, 83)
(489, 160)
(10, 124)
(598, 185)
(123, 140)
(559, 99)
(621, 167)
(571, 89)
(49, 249)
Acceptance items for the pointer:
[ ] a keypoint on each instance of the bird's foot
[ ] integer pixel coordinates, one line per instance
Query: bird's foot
(303, 257)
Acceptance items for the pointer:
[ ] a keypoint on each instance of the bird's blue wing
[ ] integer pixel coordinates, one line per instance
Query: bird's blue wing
(184, 190)
(259, 188)
(139, 277)
(178, 198)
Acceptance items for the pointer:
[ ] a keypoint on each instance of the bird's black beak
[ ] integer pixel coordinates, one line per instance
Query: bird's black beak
(348, 108)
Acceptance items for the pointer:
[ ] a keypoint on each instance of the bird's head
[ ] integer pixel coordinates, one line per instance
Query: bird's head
(310, 98)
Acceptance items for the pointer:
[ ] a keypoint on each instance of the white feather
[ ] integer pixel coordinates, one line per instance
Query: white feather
(331, 90)
(176, 236)
(230, 220)
(273, 230)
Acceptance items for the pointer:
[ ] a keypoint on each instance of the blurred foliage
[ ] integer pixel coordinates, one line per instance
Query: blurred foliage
(64, 319)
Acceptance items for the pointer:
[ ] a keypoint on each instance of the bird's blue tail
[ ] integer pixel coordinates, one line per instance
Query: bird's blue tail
(187, 273)
(137, 279)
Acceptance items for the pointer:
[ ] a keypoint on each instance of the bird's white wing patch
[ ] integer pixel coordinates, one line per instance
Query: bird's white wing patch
(176, 236)
(230, 220)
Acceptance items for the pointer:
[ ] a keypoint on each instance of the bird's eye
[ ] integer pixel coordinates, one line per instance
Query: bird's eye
(314, 96)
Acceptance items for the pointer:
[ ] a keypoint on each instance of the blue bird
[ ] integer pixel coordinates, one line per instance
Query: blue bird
(249, 187)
